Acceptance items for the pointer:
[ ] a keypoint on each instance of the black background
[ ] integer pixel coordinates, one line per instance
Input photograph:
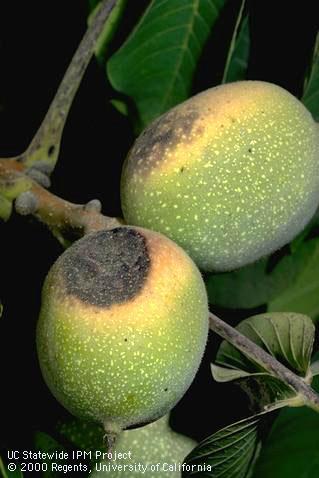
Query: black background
(37, 40)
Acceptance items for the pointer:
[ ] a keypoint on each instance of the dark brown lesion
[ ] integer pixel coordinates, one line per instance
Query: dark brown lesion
(106, 267)
(165, 132)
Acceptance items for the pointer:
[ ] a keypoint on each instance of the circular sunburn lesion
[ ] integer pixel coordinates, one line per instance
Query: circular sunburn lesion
(106, 267)
(162, 135)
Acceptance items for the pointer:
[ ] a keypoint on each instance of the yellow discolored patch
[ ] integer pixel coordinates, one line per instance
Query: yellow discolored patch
(179, 137)
(151, 305)
(239, 184)
(130, 362)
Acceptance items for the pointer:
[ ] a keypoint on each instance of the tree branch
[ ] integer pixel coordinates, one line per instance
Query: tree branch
(262, 358)
(58, 214)
(45, 146)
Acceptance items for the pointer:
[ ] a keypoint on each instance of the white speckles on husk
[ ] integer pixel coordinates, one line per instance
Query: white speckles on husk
(125, 363)
(241, 181)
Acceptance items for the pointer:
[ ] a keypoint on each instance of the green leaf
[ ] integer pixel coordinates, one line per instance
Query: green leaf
(82, 434)
(155, 66)
(305, 233)
(222, 374)
(289, 338)
(230, 452)
(5, 208)
(237, 60)
(302, 294)
(120, 106)
(310, 97)
(45, 443)
(315, 368)
(292, 447)
(5, 473)
(109, 29)
(252, 285)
